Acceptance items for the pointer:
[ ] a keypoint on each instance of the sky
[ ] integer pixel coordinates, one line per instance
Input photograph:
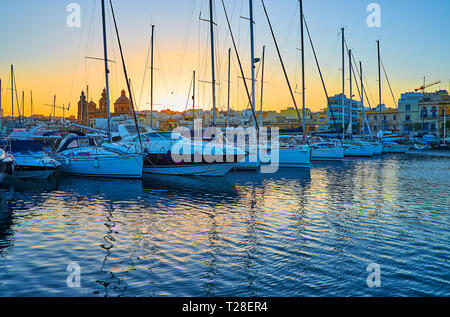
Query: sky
(49, 57)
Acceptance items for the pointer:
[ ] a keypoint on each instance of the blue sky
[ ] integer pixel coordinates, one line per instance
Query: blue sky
(49, 56)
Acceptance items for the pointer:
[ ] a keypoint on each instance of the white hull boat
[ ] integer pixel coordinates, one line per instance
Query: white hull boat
(82, 156)
(251, 161)
(395, 148)
(299, 157)
(191, 170)
(358, 150)
(6, 165)
(30, 160)
(327, 152)
(169, 153)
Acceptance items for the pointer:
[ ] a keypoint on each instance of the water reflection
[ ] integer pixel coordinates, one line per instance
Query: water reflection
(297, 232)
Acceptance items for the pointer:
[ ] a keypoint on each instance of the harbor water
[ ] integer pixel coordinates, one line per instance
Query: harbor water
(298, 232)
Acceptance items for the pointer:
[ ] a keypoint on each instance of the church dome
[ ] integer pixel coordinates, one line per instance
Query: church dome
(122, 99)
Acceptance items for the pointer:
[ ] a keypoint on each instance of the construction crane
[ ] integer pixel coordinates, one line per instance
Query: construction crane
(54, 106)
(425, 86)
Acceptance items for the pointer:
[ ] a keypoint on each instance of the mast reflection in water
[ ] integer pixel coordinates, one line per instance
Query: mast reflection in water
(294, 233)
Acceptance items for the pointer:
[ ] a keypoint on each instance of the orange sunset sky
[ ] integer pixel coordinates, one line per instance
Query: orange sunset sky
(49, 56)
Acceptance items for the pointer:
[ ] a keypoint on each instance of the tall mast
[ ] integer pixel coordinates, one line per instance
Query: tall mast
(87, 106)
(193, 96)
(379, 72)
(350, 106)
(363, 111)
(262, 87)
(213, 71)
(31, 103)
(12, 92)
(303, 71)
(151, 79)
(228, 93)
(252, 53)
(54, 108)
(343, 84)
(1, 114)
(105, 53)
(23, 104)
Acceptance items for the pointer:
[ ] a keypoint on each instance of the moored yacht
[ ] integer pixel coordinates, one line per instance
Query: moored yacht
(30, 159)
(169, 153)
(291, 153)
(83, 156)
(392, 147)
(326, 151)
(358, 149)
(6, 165)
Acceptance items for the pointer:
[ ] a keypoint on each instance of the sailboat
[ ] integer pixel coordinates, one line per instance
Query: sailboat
(84, 156)
(6, 165)
(30, 159)
(292, 152)
(353, 148)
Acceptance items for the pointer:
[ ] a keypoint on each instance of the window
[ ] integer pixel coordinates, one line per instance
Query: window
(72, 145)
(407, 118)
(434, 112)
(424, 113)
(375, 118)
(407, 107)
(385, 118)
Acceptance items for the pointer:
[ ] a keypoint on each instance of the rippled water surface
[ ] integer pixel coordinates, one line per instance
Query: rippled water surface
(294, 233)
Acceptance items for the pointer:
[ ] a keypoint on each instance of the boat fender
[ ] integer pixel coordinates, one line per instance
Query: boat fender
(11, 170)
(169, 156)
(96, 163)
(67, 160)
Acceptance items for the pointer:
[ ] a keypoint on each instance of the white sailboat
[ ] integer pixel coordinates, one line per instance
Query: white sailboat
(326, 150)
(30, 160)
(83, 156)
(392, 147)
(6, 165)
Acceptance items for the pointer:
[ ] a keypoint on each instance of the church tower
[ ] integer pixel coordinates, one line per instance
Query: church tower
(82, 107)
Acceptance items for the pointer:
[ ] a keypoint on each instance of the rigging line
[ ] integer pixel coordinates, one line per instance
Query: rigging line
(282, 64)
(365, 79)
(185, 42)
(320, 73)
(389, 84)
(77, 54)
(90, 41)
(160, 60)
(17, 99)
(240, 66)
(145, 71)
(188, 98)
(359, 75)
(125, 73)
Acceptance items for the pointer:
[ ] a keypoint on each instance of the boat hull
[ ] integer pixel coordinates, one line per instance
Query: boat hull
(359, 150)
(327, 154)
(5, 170)
(22, 172)
(294, 158)
(217, 169)
(398, 149)
(124, 166)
